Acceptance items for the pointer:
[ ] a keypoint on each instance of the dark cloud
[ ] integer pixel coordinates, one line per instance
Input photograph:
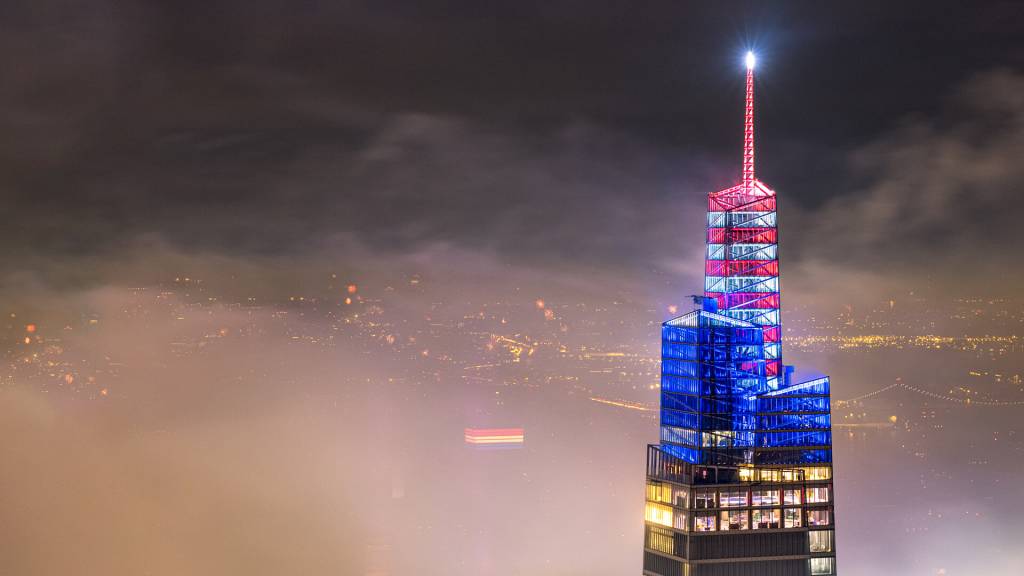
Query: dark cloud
(933, 199)
(551, 135)
(498, 154)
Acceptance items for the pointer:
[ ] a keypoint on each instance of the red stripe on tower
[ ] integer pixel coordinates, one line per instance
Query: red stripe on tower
(733, 257)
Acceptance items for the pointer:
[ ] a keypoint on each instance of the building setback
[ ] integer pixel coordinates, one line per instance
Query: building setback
(741, 483)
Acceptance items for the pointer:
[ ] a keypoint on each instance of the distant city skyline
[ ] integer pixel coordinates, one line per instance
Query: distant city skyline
(276, 275)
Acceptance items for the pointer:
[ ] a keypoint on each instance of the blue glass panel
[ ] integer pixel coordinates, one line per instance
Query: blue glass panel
(793, 404)
(691, 455)
(680, 402)
(670, 383)
(813, 438)
(674, 435)
(794, 422)
(680, 419)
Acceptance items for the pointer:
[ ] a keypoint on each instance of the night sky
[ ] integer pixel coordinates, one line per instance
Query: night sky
(164, 165)
(546, 133)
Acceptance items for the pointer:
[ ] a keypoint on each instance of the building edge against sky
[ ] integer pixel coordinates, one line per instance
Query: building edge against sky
(741, 482)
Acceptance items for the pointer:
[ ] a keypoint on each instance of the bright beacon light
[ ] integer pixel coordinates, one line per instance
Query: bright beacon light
(750, 60)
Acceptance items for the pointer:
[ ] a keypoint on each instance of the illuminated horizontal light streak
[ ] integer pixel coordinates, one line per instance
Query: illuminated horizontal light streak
(868, 395)
(495, 436)
(623, 404)
(935, 395)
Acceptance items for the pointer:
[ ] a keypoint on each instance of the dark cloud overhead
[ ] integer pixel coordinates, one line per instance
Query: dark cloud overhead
(258, 127)
(190, 187)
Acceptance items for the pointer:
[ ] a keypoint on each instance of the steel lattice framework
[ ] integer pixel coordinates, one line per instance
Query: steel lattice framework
(742, 268)
(725, 398)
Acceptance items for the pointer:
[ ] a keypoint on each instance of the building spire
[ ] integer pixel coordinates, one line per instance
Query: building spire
(748, 127)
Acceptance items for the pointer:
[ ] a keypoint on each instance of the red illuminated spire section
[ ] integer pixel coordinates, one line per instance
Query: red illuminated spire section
(742, 267)
(748, 127)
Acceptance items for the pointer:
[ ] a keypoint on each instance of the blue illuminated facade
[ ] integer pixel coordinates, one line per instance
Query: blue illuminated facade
(718, 407)
(741, 481)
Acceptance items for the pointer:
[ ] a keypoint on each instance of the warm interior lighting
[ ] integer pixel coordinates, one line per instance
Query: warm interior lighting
(659, 514)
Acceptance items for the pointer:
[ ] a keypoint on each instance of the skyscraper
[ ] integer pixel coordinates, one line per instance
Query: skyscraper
(741, 483)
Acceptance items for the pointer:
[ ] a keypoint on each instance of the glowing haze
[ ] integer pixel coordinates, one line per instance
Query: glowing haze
(266, 264)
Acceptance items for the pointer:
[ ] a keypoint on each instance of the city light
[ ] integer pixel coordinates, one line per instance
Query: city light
(496, 437)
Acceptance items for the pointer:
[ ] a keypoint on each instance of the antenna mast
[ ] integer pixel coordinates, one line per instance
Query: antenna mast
(748, 127)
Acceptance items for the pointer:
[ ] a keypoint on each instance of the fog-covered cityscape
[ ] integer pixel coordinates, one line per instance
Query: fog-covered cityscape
(371, 386)
(382, 288)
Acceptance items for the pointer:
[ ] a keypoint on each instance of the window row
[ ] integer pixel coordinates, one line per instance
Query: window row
(760, 519)
(793, 404)
(805, 438)
(769, 518)
(786, 474)
(687, 385)
(788, 456)
(729, 353)
(761, 497)
(736, 367)
(666, 493)
(794, 421)
(665, 516)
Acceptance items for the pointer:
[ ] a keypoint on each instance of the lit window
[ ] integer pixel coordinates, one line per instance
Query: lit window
(659, 492)
(734, 520)
(680, 497)
(817, 518)
(765, 497)
(659, 539)
(766, 518)
(823, 566)
(790, 497)
(704, 523)
(820, 540)
(818, 473)
(704, 500)
(658, 513)
(817, 494)
(718, 438)
(733, 499)
(679, 520)
(792, 518)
